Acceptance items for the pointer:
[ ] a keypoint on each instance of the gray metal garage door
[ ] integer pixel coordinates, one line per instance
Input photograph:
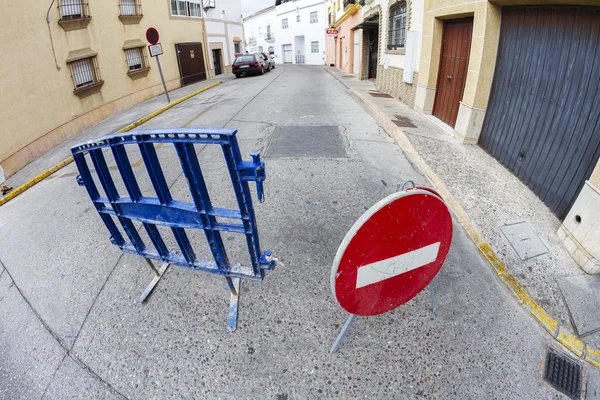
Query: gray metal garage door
(543, 117)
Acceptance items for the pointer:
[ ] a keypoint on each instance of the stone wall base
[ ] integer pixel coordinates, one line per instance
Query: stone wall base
(389, 80)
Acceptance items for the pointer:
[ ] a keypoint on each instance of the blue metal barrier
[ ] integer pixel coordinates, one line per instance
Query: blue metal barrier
(163, 210)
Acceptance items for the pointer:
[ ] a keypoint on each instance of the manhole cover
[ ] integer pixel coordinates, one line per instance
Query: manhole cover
(306, 141)
(403, 122)
(580, 294)
(524, 240)
(563, 373)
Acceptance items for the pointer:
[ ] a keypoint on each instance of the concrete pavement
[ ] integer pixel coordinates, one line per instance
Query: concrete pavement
(69, 327)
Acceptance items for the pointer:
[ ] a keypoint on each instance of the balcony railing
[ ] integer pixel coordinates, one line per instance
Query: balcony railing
(349, 3)
(252, 41)
(299, 59)
(331, 18)
(270, 37)
(73, 9)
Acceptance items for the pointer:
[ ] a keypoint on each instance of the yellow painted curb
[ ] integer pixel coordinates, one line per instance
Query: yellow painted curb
(559, 333)
(14, 193)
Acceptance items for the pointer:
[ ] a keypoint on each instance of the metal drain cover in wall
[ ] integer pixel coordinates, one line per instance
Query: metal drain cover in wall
(563, 373)
(306, 141)
(524, 240)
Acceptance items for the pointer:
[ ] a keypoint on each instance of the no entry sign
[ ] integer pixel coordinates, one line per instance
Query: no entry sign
(392, 252)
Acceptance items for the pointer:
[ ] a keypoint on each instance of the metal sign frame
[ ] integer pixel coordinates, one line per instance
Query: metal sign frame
(155, 50)
(163, 210)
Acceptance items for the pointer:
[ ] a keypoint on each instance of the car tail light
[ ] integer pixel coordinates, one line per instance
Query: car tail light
(255, 64)
(234, 66)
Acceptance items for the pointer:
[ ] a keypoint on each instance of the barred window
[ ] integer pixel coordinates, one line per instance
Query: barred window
(314, 17)
(298, 18)
(236, 48)
(135, 58)
(284, 23)
(314, 47)
(73, 9)
(85, 72)
(131, 7)
(397, 28)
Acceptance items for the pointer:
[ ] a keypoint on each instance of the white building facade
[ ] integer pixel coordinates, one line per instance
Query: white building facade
(224, 30)
(293, 31)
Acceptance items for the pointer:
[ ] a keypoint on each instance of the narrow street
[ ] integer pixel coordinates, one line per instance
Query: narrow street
(70, 326)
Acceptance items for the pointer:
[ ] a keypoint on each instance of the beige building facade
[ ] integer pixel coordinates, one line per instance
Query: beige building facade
(496, 74)
(89, 60)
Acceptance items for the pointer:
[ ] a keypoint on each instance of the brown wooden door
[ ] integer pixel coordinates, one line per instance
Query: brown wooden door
(191, 62)
(452, 76)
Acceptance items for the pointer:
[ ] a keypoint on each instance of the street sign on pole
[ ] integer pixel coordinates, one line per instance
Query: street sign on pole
(155, 50)
(391, 253)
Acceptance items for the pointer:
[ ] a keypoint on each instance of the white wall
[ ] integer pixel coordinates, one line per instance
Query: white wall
(222, 28)
(256, 26)
(416, 24)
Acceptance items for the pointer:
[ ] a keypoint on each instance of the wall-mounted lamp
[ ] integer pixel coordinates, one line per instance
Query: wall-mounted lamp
(223, 14)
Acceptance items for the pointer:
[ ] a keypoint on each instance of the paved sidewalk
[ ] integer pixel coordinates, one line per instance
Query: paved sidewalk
(491, 196)
(105, 127)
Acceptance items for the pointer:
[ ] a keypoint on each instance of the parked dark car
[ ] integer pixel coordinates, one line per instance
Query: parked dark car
(269, 60)
(248, 64)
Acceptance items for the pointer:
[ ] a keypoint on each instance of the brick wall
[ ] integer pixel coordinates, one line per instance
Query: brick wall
(390, 81)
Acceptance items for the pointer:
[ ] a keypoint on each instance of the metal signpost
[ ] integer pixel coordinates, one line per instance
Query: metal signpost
(160, 209)
(391, 254)
(155, 50)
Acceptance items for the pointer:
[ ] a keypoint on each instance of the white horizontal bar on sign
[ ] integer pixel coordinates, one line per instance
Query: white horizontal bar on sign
(398, 265)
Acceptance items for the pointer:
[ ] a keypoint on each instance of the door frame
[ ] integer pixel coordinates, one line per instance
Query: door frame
(439, 75)
(177, 52)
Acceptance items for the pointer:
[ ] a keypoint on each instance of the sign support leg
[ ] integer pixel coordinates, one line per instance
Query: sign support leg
(158, 273)
(163, 79)
(234, 287)
(432, 294)
(343, 332)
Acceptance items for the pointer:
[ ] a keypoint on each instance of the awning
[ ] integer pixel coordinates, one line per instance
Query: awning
(132, 44)
(237, 39)
(367, 25)
(80, 54)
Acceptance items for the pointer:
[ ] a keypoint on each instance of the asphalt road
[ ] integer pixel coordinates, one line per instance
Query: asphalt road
(70, 327)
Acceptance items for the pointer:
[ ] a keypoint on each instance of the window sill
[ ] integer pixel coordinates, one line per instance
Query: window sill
(74, 24)
(399, 51)
(131, 19)
(89, 89)
(140, 73)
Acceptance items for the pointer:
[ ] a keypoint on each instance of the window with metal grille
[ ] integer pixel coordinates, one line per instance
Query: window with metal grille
(314, 47)
(186, 8)
(85, 72)
(314, 17)
(284, 23)
(298, 18)
(135, 59)
(131, 7)
(236, 48)
(397, 28)
(73, 9)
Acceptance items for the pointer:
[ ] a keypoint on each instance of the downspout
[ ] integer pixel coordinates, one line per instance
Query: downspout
(50, 33)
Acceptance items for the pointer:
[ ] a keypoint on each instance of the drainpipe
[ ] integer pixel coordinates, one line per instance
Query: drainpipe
(50, 33)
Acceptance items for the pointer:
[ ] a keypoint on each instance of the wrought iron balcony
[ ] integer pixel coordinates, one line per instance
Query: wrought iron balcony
(331, 19)
(252, 41)
(349, 3)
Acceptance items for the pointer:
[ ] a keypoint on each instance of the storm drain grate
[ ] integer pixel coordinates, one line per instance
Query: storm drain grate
(563, 373)
(403, 122)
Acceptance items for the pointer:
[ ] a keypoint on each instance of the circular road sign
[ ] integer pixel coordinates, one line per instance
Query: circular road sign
(392, 252)
(152, 36)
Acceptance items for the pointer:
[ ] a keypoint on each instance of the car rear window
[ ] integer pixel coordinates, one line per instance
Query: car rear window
(244, 59)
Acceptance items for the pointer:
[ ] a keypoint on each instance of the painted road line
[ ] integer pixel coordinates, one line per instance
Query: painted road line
(392, 267)
(37, 179)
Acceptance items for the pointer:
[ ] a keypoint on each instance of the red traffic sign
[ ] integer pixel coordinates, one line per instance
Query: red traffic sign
(332, 32)
(392, 252)
(152, 36)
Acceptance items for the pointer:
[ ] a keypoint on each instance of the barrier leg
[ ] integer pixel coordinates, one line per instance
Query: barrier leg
(234, 287)
(158, 273)
(432, 294)
(343, 332)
